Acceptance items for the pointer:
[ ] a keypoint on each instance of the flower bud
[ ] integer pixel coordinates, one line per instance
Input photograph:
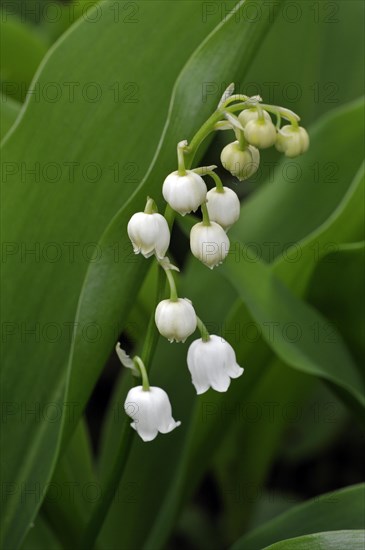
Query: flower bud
(241, 163)
(260, 133)
(212, 364)
(292, 140)
(175, 320)
(209, 243)
(184, 193)
(151, 412)
(223, 208)
(251, 114)
(149, 234)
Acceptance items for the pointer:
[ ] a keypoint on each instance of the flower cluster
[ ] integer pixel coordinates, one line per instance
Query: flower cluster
(210, 359)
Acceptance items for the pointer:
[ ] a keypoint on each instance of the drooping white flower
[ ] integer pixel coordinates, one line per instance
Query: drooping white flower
(209, 243)
(150, 411)
(223, 207)
(149, 234)
(292, 140)
(175, 320)
(251, 114)
(184, 193)
(241, 163)
(260, 133)
(212, 364)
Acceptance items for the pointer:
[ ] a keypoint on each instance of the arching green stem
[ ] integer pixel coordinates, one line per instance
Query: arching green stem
(204, 209)
(217, 181)
(170, 279)
(203, 330)
(142, 369)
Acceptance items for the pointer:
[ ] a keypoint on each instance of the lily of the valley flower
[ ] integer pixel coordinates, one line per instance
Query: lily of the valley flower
(241, 163)
(212, 364)
(251, 114)
(150, 411)
(184, 193)
(149, 233)
(292, 140)
(209, 243)
(260, 133)
(175, 319)
(223, 207)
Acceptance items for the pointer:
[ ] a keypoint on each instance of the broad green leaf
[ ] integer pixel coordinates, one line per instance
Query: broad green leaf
(83, 165)
(342, 509)
(57, 18)
(41, 537)
(306, 81)
(22, 50)
(333, 540)
(243, 462)
(51, 17)
(337, 289)
(295, 331)
(323, 421)
(344, 225)
(9, 110)
(74, 488)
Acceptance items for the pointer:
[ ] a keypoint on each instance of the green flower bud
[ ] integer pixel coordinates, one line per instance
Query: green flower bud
(251, 114)
(260, 133)
(292, 141)
(241, 163)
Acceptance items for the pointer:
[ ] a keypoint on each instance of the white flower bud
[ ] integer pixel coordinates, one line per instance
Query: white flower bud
(184, 193)
(151, 412)
(149, 234)
(260, 133)
(251, 114)
(292, 140)
(223, 208)
(212, 364)
(209, 243)
(241, 164)
(175, 320)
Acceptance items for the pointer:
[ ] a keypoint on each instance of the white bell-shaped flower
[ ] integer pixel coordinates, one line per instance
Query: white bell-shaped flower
(150, 411)
(251, 114)
(149, 234)
(209, 243)
(223, 207)
(292, 140)
(212, 364)
(184, 193)
(260, 133)
(241, 163)
(175, 319)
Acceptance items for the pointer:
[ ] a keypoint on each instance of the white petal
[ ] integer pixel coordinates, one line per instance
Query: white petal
(199, 376)
(235, 370)
(175, 320)
(126, 360)
(184, 193)
(151, 412)
(209, 243)
(163, 411)
(223, 208)
(212, 364)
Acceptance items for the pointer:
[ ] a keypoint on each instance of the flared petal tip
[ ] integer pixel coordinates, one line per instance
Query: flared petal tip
(200, 389)
(236, 371)
(173, 424)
